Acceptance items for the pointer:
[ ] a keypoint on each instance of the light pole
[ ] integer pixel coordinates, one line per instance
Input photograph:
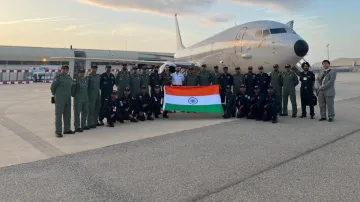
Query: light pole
(328, 51)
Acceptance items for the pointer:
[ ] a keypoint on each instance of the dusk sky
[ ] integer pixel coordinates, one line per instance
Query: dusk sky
(148, 25)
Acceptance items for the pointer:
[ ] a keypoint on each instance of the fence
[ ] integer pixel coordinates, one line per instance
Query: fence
(15, 76)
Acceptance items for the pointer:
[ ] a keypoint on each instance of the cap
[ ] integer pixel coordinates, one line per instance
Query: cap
(228, 87)
(242, 86)
(216, 67)
(127, 88)
(250, 67)
(287, 66)
(237, 68)
(156, 86)
(94, 66)
(225, 67)
(81, 71)
(143, 87)
(270, 87)
(276, 66)
(204, 65)
(261, 67)
(108, 67)
(65, 67)
(191, 68)
(256, 87)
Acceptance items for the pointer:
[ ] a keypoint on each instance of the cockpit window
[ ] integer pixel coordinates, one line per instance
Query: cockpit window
(258, 33)
(289, 30)
(266, 33)
(278, 31)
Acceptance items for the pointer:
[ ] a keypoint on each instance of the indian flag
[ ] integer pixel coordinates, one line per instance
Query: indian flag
(203, 99)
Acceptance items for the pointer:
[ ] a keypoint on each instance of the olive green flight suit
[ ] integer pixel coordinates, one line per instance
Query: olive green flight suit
(238, 81)
(61, 89)
(191, 80)
(81, 101)
(204, 78)
(215, 78)
(290, 80)
(94, 98)
(123, 80)
(135, 82)
(145, 80)
(277, 84)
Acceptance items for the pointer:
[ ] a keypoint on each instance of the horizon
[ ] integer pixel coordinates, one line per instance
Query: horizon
(89, 24)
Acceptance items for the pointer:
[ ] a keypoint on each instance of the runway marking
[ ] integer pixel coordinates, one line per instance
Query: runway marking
(200, 197)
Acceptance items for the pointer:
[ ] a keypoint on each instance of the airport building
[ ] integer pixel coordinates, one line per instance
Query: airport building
(30, 58)
(342, 64)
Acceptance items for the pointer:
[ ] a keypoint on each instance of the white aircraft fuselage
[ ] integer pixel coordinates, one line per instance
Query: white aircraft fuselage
(258, 43)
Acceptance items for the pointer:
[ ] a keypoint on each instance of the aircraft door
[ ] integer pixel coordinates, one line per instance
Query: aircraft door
(238, 43)
(79, 64)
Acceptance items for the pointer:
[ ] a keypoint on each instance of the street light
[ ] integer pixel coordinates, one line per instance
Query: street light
(328, 52)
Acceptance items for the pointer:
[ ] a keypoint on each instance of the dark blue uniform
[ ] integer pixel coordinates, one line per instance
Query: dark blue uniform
(145, 104)
(271, 108)
(243, 105)
(110, 110)
(307, 80)
(155, 79)
(225, 79)
(157, 97)
(263, 81)
(128, 108)
(107, 82)
(257, 106)
(250, 83)
(229, 106)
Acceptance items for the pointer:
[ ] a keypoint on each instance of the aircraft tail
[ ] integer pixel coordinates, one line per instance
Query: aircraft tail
(179, 43)
(290, 24)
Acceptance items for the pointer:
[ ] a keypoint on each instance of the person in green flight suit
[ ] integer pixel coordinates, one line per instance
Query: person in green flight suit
(122, 80)
(94, 97)
(81, 101)
(61, 90)
(135, 81)
(290, 80)
(238, 81)
(191, 79)
(204, 76)
(276, 82)
(215, 76)
(145, 78)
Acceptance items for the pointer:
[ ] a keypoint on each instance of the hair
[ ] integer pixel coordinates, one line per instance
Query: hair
(305, 63)
(326, 61)
(216, 67)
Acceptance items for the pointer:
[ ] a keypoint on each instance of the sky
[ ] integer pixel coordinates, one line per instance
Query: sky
(148, 25)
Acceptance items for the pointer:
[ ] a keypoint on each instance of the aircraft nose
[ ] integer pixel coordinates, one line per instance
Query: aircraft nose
(301, 48)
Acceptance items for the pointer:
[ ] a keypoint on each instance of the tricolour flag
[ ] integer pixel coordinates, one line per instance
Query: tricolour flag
(203, 99)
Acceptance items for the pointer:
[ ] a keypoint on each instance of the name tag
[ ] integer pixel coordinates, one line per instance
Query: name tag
(305, 78)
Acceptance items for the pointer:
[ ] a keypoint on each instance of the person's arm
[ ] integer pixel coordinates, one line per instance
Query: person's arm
(296, 80)
(54, 85)
(330, 82)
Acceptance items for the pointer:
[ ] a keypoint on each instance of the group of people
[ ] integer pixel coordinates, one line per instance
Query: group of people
(139, 95)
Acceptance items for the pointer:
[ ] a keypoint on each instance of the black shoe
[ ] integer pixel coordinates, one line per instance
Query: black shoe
(156, 116)
(274, 121)
(294, 116)
(283, 114)
(165, 116)
(70, 132)
(302, 116)
(331, 120)
(100, 123)
(121, 121)
(322, 119)
(93, 126)
(150, 118)
(258, 119)
(79, 130)
(133, 120)
(86, 128)
(59, 135)
(110, 125)
(312, 117)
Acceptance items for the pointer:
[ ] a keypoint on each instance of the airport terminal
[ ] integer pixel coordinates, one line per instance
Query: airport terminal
(192, 155)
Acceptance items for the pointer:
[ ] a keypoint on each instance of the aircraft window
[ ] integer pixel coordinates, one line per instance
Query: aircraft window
(13, 62)
(94, 63)
(278, 31)
(65, 63)
(258, 33)
(288, 30)
(2, 62)
(54, 62)
(266, 33)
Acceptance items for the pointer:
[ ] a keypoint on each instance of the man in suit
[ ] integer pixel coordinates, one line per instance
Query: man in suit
(326, 91)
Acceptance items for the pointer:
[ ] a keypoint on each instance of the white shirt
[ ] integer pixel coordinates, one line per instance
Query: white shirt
(177, 78)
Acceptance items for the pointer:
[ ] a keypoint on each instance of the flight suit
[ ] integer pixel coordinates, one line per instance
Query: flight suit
(94, 99)
(128, 108)
(107, 82)
(242, 104)
(191, 80)
(270, 112)
(111, 111)
(204, 78)
(157, 97)
(257, 106)
(135, 84)
(250, 82)
(229, 107)
(61, 89)
(225, 80)
(263, 81)
(145, 79)
(277, 84)
(155, 79)
(290, 81)
(166, 78)
(123, 79)
(238, 81)
(145, 107)
(81, 102)
(307, 80)
(215, 78)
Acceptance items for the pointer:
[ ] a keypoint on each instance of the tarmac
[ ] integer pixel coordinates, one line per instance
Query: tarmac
(189, 157)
